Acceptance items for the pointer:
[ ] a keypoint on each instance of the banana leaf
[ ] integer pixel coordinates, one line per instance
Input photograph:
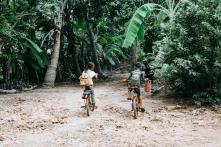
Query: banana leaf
(111, 61)
(135, 24)
(140, 33)
(37, 53)
(34, 45)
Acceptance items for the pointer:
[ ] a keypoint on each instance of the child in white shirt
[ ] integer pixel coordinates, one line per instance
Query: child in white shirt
(89, 71)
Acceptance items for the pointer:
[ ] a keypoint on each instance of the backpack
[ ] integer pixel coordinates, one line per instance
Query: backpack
(135, 78)
(85, 80)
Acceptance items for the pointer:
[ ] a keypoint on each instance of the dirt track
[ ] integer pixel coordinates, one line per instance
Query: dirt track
(54, 118)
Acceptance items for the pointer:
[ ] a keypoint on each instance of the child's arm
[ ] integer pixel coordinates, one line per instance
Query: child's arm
(142, 76)
(128, 79)
(96, 75)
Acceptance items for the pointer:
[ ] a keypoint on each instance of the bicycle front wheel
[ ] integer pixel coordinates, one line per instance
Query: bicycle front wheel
(134, 108)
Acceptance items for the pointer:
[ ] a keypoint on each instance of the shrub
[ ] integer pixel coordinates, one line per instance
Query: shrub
(189, 55)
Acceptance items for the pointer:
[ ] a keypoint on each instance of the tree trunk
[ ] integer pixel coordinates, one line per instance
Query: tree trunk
(94, 50)
(52, 68)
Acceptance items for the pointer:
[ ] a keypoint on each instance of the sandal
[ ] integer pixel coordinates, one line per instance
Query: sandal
(142, 110)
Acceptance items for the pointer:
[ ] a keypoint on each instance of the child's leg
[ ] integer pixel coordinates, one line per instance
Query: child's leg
(139, 96)
(129, 92)
(140, 101)
(92, 95)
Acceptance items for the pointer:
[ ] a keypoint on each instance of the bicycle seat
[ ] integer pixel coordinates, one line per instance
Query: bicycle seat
(134, 87)
(135, 94)
(87, 92)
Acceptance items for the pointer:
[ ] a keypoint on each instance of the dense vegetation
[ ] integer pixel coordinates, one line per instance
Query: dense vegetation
(189, 53)
(179, 42)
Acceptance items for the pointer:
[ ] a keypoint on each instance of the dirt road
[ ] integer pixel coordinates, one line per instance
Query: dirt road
(54, 118)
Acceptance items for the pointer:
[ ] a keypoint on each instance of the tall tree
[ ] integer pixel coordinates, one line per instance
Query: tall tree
(52, 68)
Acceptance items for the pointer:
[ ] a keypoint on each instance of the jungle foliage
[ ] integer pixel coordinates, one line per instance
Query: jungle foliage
(185, 53)
(179, 42)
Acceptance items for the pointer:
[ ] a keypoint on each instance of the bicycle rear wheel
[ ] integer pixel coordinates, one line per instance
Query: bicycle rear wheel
(87, 106)
(93, 105)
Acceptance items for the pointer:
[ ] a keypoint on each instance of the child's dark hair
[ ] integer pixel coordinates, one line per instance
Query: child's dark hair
(137, 65)
(90, 65)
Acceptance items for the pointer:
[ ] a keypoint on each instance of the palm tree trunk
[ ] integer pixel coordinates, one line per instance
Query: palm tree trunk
(94, 50)
(52, 68)
(50, 76)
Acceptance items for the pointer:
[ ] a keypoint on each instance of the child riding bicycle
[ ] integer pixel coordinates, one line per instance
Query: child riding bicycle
(86, 80)
(135, 80)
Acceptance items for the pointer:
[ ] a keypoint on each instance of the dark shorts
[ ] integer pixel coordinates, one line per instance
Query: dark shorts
(137, 90)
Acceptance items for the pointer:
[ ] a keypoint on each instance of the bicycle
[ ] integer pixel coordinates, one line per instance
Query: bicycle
(88, 101)
(135, 101)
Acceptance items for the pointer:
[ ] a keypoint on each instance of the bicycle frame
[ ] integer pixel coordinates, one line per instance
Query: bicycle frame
(87, 101)
(135, 101)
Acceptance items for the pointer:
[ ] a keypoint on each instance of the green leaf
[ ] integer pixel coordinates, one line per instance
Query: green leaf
(102, 24)
(136, 23)
(140, 34)
(135, 26)
(160, 18)
(1, 77)
(79, 25)
(114, 48)
(111, 60)
(34, 46)
(35, 54)
(44, 59)
(116, 38)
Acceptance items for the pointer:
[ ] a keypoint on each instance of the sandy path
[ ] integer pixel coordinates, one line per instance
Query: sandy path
(54, 118)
